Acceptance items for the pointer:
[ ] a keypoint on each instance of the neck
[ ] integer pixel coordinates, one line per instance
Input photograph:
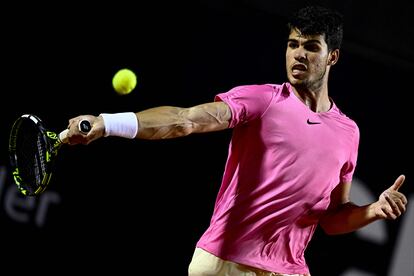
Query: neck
(316, 98)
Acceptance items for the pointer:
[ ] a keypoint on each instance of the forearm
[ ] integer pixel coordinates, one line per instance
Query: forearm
(163, 122)
(170, 122)
(343, 216)
(154, 123)
(347, 218)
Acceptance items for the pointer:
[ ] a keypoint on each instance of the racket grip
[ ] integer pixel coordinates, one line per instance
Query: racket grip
(63, 136)
(84, 126)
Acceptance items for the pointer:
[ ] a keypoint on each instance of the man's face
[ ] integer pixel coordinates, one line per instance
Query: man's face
(306, 60)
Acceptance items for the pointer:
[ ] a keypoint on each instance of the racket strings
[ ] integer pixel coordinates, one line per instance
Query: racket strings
(31, 157)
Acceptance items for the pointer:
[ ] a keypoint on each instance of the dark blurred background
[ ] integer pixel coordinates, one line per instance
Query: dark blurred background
(139, 207)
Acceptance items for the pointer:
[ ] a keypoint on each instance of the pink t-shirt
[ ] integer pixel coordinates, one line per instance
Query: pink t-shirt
(284, 160)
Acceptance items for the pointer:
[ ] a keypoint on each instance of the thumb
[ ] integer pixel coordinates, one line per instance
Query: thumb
(398, 183)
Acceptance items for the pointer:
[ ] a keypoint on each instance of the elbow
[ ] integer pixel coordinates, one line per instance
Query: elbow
(327, 228)
(332, 226)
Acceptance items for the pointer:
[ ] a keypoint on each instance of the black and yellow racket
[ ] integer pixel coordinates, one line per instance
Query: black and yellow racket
(33, 149)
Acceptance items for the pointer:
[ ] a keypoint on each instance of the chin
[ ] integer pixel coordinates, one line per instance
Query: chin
(295, 81)
(299, 84)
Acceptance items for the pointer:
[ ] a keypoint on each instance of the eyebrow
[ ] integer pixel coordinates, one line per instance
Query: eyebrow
(311, 41)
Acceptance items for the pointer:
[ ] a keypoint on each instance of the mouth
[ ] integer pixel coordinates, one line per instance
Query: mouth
(298, 69)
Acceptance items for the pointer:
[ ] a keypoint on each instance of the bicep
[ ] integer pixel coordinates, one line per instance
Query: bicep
(339, 198)
(340, 195)
(340, 217)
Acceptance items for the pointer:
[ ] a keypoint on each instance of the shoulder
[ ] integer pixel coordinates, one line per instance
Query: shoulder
(249, 102)
(266, 87)
(346, 121)
(255, 91)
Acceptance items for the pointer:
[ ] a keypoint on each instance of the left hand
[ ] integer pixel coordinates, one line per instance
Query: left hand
(391, 203)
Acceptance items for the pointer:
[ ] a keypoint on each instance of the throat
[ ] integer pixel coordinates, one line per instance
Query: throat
(315, 102)
(320, 107)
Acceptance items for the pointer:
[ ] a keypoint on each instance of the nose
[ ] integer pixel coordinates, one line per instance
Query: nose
(300, 54)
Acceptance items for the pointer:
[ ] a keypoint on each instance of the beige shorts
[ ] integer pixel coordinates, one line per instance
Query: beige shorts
(204, 263)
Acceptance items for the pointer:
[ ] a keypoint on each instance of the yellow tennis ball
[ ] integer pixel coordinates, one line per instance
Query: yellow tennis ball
(124, 81)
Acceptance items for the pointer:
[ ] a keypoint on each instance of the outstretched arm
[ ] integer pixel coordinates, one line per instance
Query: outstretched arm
(159, 122)
(170, 122)
(343, 216)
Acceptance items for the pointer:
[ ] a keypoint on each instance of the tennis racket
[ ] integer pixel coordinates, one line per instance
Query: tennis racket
(33, 149)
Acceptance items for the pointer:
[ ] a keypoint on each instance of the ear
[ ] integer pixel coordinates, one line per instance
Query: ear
(333, 57)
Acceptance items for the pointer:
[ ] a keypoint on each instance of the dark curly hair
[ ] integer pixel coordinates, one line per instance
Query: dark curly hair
(317, 20)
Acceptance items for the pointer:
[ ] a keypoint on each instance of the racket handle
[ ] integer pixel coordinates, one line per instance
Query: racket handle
(84, 126)
(63, 136)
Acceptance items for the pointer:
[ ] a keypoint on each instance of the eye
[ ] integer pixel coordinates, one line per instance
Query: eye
(312, 47)
(292, 44)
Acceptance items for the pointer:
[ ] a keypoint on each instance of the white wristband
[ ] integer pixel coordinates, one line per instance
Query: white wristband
(123, 124)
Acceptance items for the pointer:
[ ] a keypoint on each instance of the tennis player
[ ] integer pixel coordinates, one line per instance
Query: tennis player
(290, 163)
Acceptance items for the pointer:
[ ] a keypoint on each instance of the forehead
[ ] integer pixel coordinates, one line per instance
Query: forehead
(295, 34)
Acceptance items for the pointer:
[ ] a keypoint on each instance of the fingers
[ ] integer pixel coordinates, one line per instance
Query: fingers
(74, 122)
(396, 205)
(75, 134)
(398, 183)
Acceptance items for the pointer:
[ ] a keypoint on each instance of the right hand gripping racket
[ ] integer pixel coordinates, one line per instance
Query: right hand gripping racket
(33, 149)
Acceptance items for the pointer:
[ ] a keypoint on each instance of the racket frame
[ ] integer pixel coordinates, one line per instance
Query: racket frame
(52, 142)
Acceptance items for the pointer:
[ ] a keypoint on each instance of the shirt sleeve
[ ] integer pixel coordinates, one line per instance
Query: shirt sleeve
(247, 102)
(348, 169)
